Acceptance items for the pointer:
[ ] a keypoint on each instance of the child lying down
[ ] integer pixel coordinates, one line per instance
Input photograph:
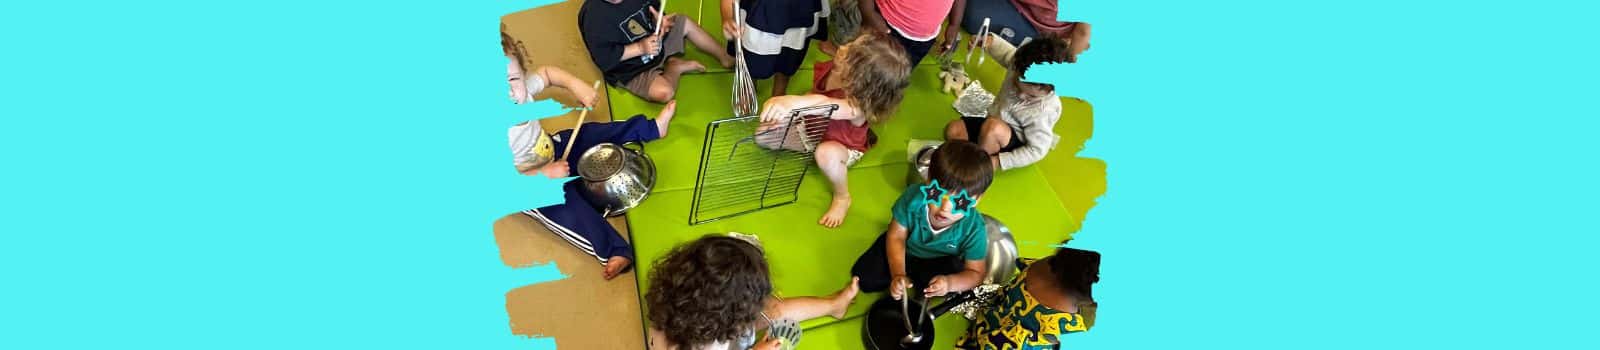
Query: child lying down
(576, 220)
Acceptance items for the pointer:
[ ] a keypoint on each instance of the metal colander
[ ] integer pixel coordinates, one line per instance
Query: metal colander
(600, 163)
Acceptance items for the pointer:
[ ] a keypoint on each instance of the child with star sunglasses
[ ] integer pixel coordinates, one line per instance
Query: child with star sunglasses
(937, 241)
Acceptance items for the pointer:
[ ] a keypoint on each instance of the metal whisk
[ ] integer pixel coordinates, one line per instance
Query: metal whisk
(744, 88)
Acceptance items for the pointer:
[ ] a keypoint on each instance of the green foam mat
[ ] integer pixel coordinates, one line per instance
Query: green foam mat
(1042, 204)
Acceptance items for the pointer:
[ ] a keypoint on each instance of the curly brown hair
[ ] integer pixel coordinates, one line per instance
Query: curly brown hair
(1049, 49)
(877, 74)
(712, 289)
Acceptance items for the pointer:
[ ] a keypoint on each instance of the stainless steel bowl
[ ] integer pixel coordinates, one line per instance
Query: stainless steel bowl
(919, 165)
(1002, 258)
(616, 178)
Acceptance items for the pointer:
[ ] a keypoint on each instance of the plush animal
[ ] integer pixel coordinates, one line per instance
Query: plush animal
(955, 78)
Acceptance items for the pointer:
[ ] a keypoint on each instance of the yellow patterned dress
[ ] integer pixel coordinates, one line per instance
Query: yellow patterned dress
(1018, 321)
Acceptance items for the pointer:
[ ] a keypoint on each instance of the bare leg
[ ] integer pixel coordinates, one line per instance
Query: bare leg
(780, 84)
(996, 134)
(706, 43)
(614, 266)
(956, 130)
(831, 157)
(805, 308)
(664, 120)
(663, 88)
(676, 67)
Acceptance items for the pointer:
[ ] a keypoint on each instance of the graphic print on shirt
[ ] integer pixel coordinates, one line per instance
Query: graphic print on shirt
(636, 25)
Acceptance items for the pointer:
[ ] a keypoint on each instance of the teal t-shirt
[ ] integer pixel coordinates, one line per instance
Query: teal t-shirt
(966, 238)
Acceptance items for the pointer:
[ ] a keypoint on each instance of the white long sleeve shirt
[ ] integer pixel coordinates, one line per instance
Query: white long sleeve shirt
(1032, 120)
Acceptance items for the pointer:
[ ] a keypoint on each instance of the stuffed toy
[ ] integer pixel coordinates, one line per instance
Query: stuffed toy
(955, 78)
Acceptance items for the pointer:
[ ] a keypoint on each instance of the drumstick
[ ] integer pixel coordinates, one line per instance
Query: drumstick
(662, 11)
(573, 140)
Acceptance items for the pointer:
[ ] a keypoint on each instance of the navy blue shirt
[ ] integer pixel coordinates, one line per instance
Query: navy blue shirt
(608, 28)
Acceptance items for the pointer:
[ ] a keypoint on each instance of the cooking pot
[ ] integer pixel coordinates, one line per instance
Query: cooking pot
(616, 178)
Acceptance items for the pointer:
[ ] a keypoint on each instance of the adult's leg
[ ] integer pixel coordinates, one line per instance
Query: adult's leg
(873, 266)
(833, 158)
(955, 130)
(996, 134)
(805, 308)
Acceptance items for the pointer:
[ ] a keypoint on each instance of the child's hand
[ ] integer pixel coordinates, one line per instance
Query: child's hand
(937, 287)
(950, 38)
(666, 23)
(776, 109)
(898, 286)
(585, 95)
(555, 170)
(650, 45)
(730, 29)
(769, 344)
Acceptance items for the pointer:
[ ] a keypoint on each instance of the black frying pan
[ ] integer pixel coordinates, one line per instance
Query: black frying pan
(886, 324)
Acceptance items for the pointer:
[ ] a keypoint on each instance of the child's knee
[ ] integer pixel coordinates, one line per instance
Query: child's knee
(955, 130)
(995, 129)
(661, 92)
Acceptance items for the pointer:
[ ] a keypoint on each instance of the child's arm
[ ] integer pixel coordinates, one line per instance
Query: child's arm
(895, 249)
(1039, 129)
(952, 30)
(966, 280)
(730, 20)
(870, 18)
(1000, 49)
(583, 91)
(779, 107)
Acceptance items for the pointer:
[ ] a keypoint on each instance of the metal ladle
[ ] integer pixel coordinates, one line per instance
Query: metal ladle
(913, 334)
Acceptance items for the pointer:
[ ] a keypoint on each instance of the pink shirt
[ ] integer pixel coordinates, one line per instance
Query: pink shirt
(918, 20)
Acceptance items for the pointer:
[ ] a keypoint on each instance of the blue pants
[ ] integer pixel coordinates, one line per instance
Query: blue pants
(1004, 20)
(576, 220)
(579, 224)
(635, 129)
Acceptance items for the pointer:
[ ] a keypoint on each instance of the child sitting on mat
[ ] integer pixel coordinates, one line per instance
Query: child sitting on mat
(624, 42)
(938, 240)
(716, 292)
(1050, 298)
(576, 220)
(1020, 129)
(775, 34)
(867, 79)
(543, 75)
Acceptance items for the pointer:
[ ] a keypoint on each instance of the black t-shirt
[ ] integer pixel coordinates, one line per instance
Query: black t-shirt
(607, 28)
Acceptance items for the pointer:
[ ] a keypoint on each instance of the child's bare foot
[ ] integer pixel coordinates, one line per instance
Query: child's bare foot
(843, 298)
(678, 66)
(836, 211)
(664, 119)
(614, 266)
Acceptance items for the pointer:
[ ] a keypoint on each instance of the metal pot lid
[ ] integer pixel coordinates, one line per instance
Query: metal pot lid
(601, 162)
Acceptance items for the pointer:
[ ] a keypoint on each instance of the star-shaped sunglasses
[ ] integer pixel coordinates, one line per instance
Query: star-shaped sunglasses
(933, 194)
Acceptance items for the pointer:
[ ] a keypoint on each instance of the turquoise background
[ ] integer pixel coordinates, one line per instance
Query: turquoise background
(1337, 174)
